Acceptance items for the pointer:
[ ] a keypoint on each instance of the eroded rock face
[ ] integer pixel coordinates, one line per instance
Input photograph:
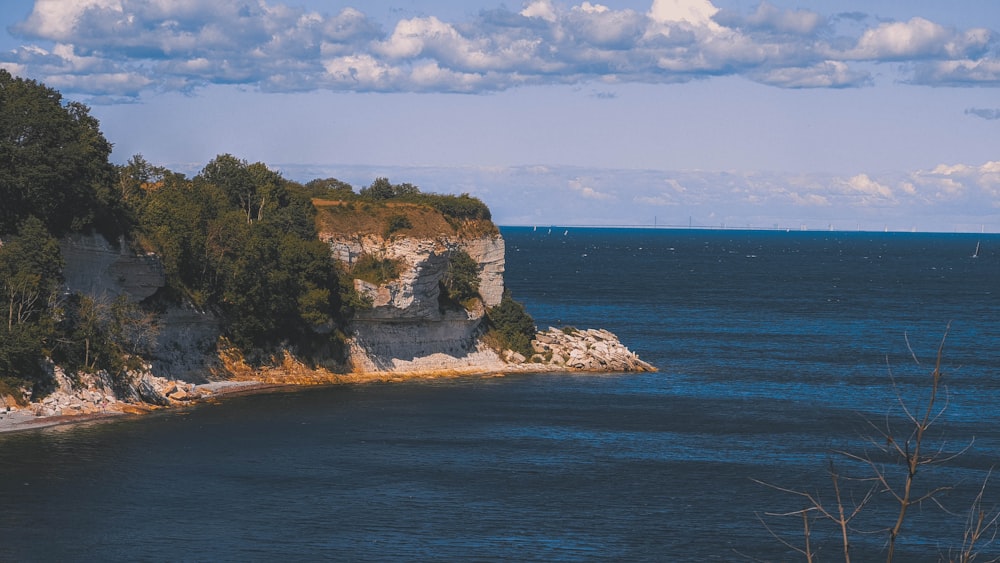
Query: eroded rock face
(414, 295)
(97, 268)
(186, 338)
(406, 328)
(186, 344)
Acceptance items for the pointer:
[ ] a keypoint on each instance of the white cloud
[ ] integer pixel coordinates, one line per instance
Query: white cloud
(827, 74)
(579, 186)
(694, 12)
(769, 18)
(540, 9)
(950, 182)
(58, 20)
(984, 72)
(362, 72)
(870, 189)
(274, 45)
(918, 38)
(809, 199)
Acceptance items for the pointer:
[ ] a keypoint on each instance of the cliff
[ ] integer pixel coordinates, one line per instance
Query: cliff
(410, 327)
(406, 327)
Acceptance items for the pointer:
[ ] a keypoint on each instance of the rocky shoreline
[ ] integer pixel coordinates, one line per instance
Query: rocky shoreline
(91, 398)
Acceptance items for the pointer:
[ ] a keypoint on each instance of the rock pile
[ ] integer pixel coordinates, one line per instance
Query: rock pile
(93, 394)
(585, 350)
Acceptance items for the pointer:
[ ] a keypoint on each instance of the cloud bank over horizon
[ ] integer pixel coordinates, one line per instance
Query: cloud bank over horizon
(118, 50)
(938, 199)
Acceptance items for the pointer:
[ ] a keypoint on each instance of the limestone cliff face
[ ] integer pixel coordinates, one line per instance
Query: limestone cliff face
(407, 329)
(186, 338)
(95, 267)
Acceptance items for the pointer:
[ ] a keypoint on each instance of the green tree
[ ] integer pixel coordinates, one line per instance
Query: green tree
(329, 188)
(254, 188)
(30, 273)
(510, 321)
(382, 189)
(461, 280)
(53, 162)
(137, 176)
(30, 270)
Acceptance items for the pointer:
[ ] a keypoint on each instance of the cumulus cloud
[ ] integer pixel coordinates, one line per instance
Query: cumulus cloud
(869, 190)
(984, 72)
(984, 113)
(959, 182)
(580, 186)
(826, 74)
(919, 39)
(769, 18)
(126, 47)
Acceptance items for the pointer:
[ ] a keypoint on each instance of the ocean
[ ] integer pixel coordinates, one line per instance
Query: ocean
(778, 351)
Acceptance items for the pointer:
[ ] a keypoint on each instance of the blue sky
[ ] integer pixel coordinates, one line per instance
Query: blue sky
(823, 114)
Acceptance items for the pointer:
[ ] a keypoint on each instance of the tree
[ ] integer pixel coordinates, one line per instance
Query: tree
(461, 280)
(382, 189)
(30, 269)
(512, 323)
(253, 188)
(329, 188)
(897, 452)
(53, 162)
(137, 176)
(30, 266)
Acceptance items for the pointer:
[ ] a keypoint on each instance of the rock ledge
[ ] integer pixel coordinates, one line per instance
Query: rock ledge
(585, 350)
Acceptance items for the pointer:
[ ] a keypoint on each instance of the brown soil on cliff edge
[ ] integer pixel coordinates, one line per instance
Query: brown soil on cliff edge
(353, 218)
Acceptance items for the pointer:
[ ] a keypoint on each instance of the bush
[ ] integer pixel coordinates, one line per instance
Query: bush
(376, 270)
(461, 281)
(511, 326)
(397, 223)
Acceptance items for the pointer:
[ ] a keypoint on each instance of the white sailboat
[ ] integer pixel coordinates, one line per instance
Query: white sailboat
(976, 253)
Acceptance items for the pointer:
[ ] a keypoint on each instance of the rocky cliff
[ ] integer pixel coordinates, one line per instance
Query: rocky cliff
(186, 338)
(407, 328)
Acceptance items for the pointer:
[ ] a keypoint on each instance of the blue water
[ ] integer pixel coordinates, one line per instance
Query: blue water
(774, 348)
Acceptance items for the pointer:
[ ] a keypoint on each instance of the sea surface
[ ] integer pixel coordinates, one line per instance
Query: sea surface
(777, 351)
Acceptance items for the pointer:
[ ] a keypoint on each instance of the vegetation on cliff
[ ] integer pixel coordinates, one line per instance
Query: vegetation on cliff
(388, 209)
(248, 251)
(237, 239)
(53, 163)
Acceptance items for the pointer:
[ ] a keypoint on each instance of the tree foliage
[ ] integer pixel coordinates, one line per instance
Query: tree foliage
(249, 250)
(329, 188)
(462, 207)
(237, 239)
(30, 273)
(54, 162)
(461, 280)
(512, 325)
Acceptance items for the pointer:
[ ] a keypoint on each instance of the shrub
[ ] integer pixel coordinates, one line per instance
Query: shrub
(511, 326)
(396, 223)
(461, 281)
(376, 270)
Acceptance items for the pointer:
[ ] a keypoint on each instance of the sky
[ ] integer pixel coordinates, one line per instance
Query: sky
(791, 114)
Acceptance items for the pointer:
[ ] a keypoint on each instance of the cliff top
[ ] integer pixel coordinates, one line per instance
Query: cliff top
(340, 218)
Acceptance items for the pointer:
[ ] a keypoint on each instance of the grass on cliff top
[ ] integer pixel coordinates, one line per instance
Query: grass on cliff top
(335, 218)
